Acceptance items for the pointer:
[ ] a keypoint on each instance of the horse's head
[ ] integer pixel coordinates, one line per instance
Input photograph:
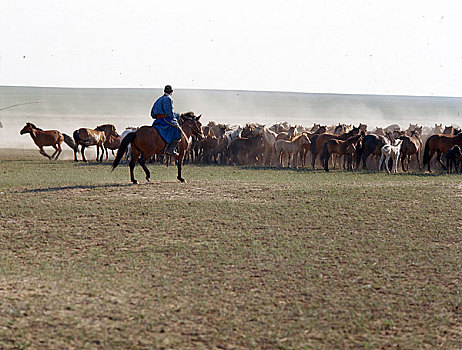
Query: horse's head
(108, 129)
(305, 139)
(193, 123)
(27, 128)
(247, 131)
(362, 127)
(448, 130)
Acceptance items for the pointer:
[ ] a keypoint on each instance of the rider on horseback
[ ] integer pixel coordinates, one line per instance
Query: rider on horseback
(166, 121)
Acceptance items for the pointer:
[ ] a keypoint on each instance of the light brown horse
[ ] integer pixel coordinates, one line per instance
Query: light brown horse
(92, 137)
(439, 144)
(146, 142)
(43, 138)
(291, 148)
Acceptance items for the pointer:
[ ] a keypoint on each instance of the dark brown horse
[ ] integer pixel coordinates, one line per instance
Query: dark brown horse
(344, 148)
(92, 137)
(321, 129)
(112, 142)
(146, 142)
(439, 144)
(43, 138)
(317, 142)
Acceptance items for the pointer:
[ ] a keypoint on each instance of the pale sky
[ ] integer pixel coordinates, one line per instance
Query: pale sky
(326, 46)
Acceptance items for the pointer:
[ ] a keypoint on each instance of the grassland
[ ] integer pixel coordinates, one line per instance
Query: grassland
(234, 259)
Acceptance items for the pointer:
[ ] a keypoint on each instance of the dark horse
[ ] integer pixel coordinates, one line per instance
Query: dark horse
(371, 144)
(317, 142)
(345, 148)
(146, 142)
(439, 144)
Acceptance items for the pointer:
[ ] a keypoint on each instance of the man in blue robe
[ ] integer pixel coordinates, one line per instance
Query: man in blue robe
(166, 121)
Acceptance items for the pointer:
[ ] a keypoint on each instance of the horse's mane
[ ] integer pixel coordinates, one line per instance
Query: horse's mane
(297, 137)
(101, 127)
(354, 138)
(187, 115)
(33, 125)
(353, 131)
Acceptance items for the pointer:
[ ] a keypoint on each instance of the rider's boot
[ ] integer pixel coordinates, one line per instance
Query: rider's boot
(170, 149)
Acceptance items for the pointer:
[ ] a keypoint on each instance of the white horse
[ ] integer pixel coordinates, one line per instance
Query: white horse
(128, 152)
(391, 151)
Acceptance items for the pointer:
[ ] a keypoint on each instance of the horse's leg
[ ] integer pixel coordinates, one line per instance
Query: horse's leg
(386, 164)
(76, 149)
(82, 150)
(54, 153)
(438, 157)
(381, 162)
(403, 158)
(59, 151)
(326, 162)
(142, 162)
(43, 153)
(313, 159)
(134, 158)
(97, 153)
(179, 166)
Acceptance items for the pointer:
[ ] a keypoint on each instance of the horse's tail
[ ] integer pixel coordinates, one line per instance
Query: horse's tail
(426, 155)
(76, 137)
(69, 141)
(122, 148)
(313, 144)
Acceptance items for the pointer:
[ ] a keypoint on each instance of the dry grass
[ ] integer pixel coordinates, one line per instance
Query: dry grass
(234, 259)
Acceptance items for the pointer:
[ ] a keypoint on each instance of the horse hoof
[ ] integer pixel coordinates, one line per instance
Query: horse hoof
(182, 180)
(135, 182)
(148, 179)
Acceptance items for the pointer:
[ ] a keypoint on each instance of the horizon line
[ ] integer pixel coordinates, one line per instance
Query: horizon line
(235, 90)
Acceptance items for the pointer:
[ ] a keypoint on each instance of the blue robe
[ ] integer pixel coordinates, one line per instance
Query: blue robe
(168, 126)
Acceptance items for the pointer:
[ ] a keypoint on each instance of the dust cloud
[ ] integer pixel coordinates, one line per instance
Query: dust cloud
(67, 109)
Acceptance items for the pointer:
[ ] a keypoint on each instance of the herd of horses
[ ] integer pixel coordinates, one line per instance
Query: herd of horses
(256, 145)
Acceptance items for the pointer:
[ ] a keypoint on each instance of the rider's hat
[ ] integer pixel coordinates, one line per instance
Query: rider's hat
(168, 89)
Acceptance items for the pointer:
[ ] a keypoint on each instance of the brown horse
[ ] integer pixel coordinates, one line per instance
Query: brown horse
(439, 144)
(146, 142)
(411, 145)
(345, 148)
(113, 139)
(321, 129)
(43, 138)
(112, 142)
(92, 137)
(318, 141)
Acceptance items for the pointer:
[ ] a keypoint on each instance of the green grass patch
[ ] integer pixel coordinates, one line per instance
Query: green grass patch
(234, 258)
